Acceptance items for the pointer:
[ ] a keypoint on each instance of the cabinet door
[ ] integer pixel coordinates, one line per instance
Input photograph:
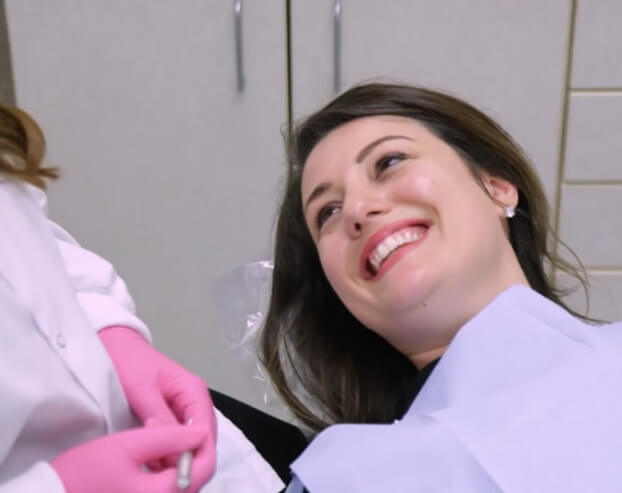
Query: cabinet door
(508, 58)
(592, 194)
(168, 169)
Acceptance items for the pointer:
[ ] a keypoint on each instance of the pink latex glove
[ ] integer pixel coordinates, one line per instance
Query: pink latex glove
(160, 391)
(114, 463)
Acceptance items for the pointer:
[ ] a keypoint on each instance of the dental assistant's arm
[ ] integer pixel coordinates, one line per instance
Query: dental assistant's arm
(101, 292)
(157, 389)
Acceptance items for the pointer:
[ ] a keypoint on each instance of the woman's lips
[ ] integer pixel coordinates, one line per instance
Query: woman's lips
(385, 247)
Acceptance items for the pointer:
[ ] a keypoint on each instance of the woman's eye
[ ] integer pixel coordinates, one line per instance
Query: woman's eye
(325, 213)
(387, 161)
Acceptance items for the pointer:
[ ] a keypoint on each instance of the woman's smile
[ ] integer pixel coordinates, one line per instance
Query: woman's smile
(385, 247)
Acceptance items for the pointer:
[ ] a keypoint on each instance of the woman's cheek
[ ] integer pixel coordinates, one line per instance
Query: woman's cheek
(415, 187)
(325, 255)
(332, 261)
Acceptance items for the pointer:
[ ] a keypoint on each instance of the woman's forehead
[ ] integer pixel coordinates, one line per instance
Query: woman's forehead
(345, 143)
(355, 132)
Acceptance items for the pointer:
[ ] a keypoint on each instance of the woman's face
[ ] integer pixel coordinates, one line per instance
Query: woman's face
(408, 239)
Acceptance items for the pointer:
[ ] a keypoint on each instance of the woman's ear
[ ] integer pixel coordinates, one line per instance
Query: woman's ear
(502, 192)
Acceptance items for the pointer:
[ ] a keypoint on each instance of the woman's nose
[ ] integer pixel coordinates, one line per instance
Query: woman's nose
(359, 210)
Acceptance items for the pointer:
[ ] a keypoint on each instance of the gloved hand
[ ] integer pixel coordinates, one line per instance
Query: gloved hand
(114, 463)
(160, 391)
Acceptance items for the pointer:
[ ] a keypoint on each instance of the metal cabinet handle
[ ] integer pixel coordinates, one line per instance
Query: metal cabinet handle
(239, 61)
(337, 46)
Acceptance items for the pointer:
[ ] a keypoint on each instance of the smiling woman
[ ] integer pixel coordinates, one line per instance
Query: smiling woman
(411, 225)
(414, 187)
(381, 157)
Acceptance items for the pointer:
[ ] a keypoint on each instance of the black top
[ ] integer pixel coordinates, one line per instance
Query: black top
(416, 384)
(420, 379)
(278, 442)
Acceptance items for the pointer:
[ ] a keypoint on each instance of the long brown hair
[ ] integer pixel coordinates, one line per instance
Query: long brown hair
(22, 147)
(310, 341)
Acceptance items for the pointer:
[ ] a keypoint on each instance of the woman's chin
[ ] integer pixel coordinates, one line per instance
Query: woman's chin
(405, 290)
(402, 303)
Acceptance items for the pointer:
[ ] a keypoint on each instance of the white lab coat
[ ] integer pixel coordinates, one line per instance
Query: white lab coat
(526, 399)
(58, 387)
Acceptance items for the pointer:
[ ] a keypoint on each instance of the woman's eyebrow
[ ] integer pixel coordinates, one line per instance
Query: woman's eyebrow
(317, 191)
(363, 153)
(369, 147)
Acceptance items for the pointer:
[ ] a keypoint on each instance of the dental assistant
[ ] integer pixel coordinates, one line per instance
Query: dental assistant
(88, 403)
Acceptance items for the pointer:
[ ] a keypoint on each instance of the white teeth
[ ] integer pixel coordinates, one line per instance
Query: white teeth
(390, 243)
(393, 241)
(383, 249)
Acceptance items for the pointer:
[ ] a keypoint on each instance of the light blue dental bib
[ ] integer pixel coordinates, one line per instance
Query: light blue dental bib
(526, 399)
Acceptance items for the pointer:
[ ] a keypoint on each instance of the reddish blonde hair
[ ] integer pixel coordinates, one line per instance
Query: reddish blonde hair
(22, 147)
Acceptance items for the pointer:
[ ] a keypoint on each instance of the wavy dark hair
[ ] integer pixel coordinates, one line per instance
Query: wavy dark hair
(22, 147)
(310, 342)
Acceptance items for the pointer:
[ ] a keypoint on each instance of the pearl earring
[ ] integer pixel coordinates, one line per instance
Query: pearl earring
(509, 211)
